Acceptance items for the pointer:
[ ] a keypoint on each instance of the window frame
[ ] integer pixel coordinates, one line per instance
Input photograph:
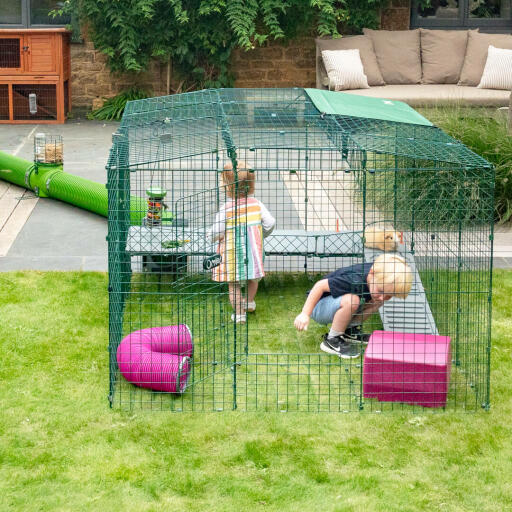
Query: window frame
(463, 22)
(25, 20)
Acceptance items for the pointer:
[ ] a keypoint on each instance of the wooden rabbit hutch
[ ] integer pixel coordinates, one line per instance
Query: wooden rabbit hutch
(35, 73)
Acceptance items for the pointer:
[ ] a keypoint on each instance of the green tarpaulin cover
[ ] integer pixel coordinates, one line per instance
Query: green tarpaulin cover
(344, 104)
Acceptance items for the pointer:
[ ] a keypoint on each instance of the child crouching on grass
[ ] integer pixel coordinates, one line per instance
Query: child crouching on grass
(348, 296)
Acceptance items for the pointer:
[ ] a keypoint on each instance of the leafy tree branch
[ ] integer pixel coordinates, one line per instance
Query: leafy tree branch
(200, 35)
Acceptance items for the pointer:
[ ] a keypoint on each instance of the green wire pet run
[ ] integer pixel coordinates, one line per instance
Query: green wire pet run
(330, 167)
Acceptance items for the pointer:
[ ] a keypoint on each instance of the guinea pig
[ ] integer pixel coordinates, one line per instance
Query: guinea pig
(382, 239)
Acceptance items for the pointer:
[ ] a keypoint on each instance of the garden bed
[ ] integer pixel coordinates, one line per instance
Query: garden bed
(485, 132)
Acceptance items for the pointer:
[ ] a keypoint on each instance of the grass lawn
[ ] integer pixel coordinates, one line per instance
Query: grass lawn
(63, 449)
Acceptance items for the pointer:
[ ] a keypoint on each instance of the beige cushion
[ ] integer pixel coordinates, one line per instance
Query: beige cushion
(442, 55)
(438, 94)
(498, 70)
(345, 69)
(398, 55)
(365, 47)
(476, 55)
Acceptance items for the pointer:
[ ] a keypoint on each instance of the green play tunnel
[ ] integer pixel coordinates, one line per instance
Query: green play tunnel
(13, 169)
(49, 180)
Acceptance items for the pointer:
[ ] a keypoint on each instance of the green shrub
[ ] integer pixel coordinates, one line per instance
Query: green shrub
(198, 36)
(421, 195)
(484, 131)
(113, 108)
(426, 195)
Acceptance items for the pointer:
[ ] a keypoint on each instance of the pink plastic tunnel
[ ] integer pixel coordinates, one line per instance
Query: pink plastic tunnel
(157, 358)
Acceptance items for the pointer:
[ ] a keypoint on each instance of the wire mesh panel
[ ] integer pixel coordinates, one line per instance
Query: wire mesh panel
(4, 101)
(66, 97)
(10, 52)
(34, 101)
(231, 211)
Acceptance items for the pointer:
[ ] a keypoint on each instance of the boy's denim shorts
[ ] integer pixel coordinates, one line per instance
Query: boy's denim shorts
(326, 308)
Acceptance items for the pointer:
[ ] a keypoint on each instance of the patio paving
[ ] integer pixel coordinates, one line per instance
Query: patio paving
(45, 234)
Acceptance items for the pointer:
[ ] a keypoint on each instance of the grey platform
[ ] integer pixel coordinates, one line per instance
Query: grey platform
(145, 240)
(412, 314)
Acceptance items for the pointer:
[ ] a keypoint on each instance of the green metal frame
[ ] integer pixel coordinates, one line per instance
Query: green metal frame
(325, 177)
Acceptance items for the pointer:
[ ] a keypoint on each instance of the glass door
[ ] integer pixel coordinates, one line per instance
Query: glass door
(488, 15)
(31, 13)
(443, 13)
(11, 13)
(39, 13)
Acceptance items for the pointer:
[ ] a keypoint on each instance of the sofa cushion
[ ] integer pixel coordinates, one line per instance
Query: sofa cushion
(498, 70)
(345, 69)
(398, 54)
(442, 55)
(438, 94)
(365, 47)
(476, 55)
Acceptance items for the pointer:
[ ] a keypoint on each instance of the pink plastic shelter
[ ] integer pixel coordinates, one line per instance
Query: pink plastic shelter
(157, 358)
(405, 367)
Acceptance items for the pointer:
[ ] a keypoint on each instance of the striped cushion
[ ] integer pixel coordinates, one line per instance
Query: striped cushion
(498, 70)
(345, 69)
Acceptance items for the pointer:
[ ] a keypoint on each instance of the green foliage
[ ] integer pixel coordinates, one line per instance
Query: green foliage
(440, 194)
(113, 108)
(484, 132)
(428, 197)
(364, 14)
(199, 35)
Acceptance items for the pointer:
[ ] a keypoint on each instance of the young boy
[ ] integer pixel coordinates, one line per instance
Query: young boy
(348, 296)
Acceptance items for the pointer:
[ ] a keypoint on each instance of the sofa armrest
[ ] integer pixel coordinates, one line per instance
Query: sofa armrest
(510, 114)
(322, 80)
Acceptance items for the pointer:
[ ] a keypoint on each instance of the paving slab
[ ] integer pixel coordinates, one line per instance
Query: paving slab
(55, 235)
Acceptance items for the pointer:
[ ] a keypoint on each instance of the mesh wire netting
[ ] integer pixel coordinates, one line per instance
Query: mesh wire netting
(190, 257)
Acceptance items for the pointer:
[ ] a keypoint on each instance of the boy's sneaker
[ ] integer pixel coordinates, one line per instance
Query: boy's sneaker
(239, 319)
(251, 307)
(340, 347)
(355, 335)
(363, 337)
(349, 336)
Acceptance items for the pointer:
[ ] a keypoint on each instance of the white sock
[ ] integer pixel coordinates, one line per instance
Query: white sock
(333, 333)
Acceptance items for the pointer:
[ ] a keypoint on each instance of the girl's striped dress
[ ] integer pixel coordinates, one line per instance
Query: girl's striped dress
(243, 238)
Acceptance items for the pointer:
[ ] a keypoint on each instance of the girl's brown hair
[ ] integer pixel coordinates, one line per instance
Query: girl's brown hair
(246, 179)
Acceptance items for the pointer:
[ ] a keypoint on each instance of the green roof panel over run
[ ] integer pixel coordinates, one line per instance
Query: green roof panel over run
(344, 104)
(173, 127)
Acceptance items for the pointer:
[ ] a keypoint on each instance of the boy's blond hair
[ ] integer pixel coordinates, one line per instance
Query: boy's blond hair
(393, 269)
(246, 179)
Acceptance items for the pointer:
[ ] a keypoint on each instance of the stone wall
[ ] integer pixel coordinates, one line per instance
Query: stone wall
(276, 65)
(91, 80)
(397, 16)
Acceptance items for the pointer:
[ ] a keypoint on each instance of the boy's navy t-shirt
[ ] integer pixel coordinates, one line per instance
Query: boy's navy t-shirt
(351, 279)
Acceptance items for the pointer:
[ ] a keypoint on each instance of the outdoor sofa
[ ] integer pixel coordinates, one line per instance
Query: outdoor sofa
(423, 67)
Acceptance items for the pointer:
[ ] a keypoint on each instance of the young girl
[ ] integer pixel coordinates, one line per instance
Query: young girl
(240, 226)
